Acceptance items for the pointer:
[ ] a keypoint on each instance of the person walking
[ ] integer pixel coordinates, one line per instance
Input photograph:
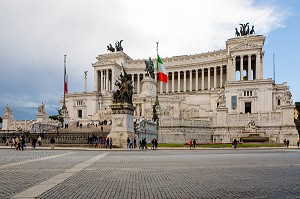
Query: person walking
(191, 143)
(23, 142)
(107, 143)
(34, 140)
(194, 143)
(155, 143)
(234, 143)
(287, 143)
(284, 143)
(110, 143)
(39, 140)
(298, 143)
(52, 141)
(13, 142)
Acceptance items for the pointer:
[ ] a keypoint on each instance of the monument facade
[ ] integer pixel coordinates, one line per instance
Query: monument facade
(212, 97)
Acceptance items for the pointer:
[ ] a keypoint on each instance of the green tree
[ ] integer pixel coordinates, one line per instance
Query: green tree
(57, 117)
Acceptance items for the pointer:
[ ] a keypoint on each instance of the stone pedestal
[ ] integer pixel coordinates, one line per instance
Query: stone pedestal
(221, 116)
(122, 123)
(65, 115)
(148, 87)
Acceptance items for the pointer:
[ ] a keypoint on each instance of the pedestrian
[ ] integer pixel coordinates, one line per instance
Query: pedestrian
(107, 143)
(52, 141)
(128, 142)
(234, 143)
(13, 142)
(6, 141)
(39, 140)
(134, 142)
(191, 143)
(284, 142)
(287, 143)
(145, 143)
(23, 142)
(153, 143)
(34, 140)
(18, 143)
(110, 143)
(298, 142)
(194, 143)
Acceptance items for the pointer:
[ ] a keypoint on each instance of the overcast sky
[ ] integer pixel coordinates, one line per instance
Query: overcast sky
(36, 34)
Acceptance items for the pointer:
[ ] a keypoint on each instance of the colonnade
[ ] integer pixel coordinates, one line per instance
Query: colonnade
(104, 80)
(188, 80)
(249, 67)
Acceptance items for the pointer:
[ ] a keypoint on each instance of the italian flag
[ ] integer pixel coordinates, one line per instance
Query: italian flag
(162, 73)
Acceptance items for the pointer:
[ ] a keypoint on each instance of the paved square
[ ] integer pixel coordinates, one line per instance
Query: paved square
(224, 173)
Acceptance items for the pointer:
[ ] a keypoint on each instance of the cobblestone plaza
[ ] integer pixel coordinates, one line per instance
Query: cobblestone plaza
(210, 173)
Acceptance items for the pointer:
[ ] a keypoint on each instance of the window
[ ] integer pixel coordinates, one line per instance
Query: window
(233, 102)
(79, 103)
(247, 107)
(79, 112)
(278, 102)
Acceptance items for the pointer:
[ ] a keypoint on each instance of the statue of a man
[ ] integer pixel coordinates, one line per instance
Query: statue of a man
(149, 68)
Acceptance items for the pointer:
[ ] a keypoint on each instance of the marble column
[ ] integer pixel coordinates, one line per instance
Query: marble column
(178, 81)
(96, 80)
(221, 76)
(113, 79)
(196, 80)
(132, 79)
(173, 77)
(191, 78)
(138, 84)
(106, 83)
(101, 80)
(215, 77)
(234, 66)
(257, 71)
(167, 85)
(184, 81)
(202, 86)
(241, 67)
(249, 67)
(208, 78)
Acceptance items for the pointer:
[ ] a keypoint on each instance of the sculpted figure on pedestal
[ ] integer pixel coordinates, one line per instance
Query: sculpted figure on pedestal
(110, 48)
(149, 68)
(125, 91)
(41, 109)
(7, 110)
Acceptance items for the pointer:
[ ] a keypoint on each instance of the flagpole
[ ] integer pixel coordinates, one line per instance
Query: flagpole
(156, 104)
(157, 70)
(64, 107)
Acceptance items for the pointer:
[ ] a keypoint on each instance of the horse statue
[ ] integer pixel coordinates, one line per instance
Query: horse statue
(149, 68)
(243, 30)
(237, 32)
(110, 48)
(119, 46)
(252, 32)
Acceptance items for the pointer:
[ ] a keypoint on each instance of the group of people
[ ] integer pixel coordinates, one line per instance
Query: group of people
(109, 143)
(131, 143)
(192, 143)
(19, 142)
(286, 143)
(154, 143)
